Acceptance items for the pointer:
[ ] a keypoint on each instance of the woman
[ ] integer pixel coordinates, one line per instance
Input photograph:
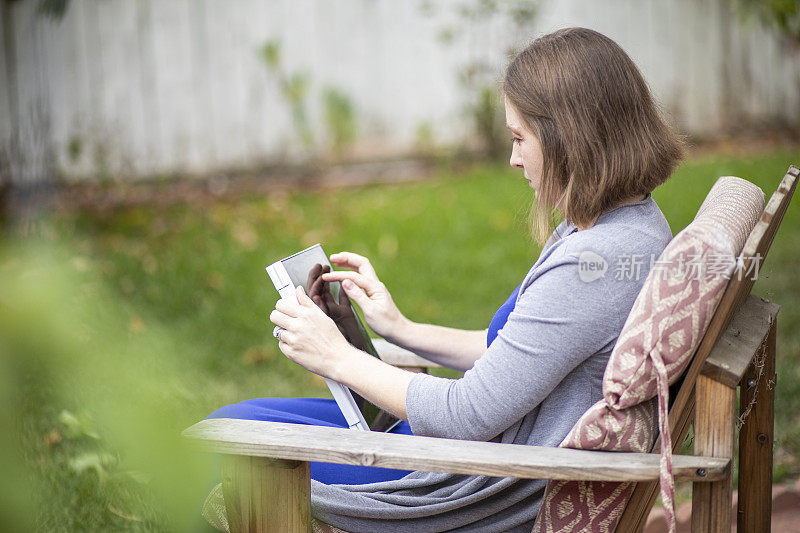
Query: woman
(589, 141)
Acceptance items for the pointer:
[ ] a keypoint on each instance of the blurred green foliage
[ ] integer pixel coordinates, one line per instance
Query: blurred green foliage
(478, 77)
(89, 418)
(340, 118)
(339, 112)
(294, 88)
(424, 138)
(54, 9)
(121, 327)
(271, 54)
(782, 15)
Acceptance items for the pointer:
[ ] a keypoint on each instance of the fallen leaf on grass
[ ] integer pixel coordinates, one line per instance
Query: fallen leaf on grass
(278, 201)
(244, 234)
(387, 246)
(80, 263)
(52, 438)
(501, 220)
(257, 354)
(215, 280)
(312, 237)
(149, 264)
(136, 325)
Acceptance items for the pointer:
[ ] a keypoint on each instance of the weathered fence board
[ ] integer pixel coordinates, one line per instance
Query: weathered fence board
(134, 88)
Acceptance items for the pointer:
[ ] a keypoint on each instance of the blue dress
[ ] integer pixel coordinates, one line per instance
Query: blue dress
(325, 412)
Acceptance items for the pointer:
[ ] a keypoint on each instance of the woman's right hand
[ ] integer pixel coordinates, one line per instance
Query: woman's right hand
(363, 287)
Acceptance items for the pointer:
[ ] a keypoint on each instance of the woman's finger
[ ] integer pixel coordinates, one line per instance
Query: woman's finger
(368, 285)
(283, 347)
(280, 319)
(356, 293)
(287, 337)
(302, 297)
(356, 262)
(287, 307)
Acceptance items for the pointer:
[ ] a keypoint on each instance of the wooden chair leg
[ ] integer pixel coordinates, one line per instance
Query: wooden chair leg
(266, 495)
(755, 440)
(713, 436)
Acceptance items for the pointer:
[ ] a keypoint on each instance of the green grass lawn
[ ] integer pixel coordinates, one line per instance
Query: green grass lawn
(126, 326)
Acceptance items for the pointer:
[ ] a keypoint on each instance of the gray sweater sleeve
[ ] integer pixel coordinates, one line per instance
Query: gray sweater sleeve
(557, 323)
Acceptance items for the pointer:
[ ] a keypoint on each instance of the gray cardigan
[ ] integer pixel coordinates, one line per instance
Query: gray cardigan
(541, 373)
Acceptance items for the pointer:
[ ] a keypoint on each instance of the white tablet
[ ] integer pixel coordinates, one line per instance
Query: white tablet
(305, 269)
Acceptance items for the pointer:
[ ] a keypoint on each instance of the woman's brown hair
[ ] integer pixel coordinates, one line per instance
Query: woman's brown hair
(601, 135)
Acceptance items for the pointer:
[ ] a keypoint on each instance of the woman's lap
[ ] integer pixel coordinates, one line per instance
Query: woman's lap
(318, 412)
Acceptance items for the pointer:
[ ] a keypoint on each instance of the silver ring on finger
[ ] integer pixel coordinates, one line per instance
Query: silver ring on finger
(277, 333)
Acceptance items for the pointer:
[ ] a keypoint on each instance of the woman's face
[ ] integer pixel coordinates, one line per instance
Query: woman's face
(526, 152)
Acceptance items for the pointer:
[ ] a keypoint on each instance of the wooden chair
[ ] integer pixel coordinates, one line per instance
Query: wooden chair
(265, 466)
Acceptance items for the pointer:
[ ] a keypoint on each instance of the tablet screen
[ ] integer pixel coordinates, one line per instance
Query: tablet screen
(306, 268)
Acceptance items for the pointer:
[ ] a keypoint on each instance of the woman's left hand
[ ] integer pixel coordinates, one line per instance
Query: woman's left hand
(309, 337)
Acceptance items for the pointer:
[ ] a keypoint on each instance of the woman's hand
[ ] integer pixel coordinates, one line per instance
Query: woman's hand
(366, 290)
(309, 337)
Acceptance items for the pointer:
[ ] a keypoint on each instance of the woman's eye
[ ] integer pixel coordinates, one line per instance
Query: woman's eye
(515, 140)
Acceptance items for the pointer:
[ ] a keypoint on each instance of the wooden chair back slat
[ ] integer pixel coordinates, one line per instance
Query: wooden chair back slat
(682, 412)
(733, 353)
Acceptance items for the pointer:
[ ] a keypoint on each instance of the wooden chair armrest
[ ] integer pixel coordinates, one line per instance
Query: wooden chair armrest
(397, 356)
(736, 346)
(368, 448)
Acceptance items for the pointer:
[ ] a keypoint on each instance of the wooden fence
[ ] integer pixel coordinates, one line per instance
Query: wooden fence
(141, 88)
